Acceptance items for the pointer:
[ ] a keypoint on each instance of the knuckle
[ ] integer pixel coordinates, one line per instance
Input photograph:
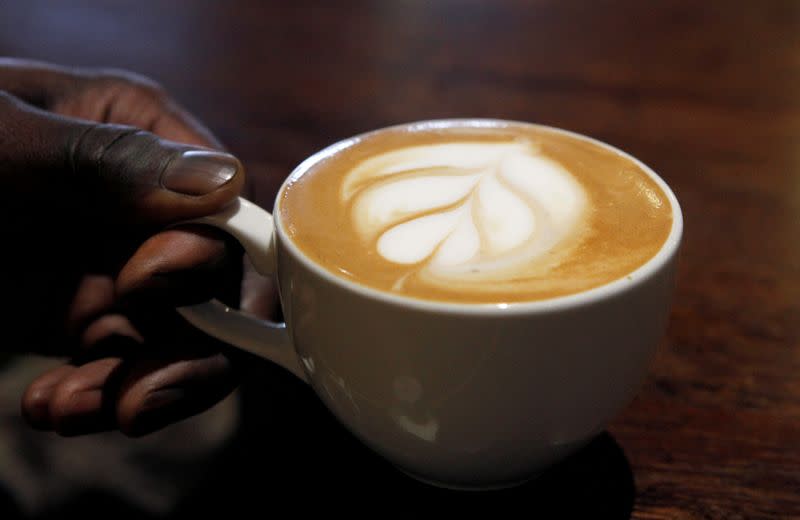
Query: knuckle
(141, 87)
(151, 93)
(126, 83)
(113, 150)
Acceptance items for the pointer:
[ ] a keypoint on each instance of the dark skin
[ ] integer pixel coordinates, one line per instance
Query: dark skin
(96, 166)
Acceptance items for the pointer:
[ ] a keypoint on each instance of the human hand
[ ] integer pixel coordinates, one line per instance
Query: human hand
(93, 174)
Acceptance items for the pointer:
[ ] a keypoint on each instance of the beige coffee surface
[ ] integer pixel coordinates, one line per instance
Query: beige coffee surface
(476, 215)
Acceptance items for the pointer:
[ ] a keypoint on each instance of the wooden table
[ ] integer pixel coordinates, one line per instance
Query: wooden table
(707, 93)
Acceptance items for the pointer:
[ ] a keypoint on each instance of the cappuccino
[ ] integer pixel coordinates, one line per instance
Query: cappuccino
(476, 212)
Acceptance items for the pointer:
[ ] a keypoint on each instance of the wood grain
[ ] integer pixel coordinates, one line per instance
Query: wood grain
(707, 93)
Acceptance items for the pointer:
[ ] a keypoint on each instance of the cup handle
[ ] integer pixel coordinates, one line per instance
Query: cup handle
(252, 227)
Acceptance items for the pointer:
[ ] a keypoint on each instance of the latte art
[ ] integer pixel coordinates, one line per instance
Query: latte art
(464, 210)
(504, 212)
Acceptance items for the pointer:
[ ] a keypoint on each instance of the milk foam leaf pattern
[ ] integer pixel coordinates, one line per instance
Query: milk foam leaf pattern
(463, 207)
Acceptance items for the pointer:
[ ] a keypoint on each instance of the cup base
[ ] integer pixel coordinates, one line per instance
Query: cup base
(462, 487)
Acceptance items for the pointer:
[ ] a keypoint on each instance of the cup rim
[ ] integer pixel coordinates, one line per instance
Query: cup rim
(608, 290)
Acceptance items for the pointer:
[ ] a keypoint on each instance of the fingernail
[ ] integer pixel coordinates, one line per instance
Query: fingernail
(199, 172)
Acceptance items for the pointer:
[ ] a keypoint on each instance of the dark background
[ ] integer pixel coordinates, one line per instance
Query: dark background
(707, 93)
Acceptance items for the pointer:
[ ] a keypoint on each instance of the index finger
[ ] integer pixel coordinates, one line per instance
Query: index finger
(106, 96)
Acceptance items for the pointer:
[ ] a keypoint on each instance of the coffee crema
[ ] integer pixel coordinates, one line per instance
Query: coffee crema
(476, 213)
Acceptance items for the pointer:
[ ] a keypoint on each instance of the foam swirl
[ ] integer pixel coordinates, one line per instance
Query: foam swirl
(477, 209)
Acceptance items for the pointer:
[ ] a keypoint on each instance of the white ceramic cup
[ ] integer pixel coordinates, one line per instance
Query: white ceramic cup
(460, 395)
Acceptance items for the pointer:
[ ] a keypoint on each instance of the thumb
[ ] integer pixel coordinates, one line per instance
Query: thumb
(110, 170)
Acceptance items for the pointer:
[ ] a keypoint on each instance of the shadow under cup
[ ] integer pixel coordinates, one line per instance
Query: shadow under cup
(474, 396)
